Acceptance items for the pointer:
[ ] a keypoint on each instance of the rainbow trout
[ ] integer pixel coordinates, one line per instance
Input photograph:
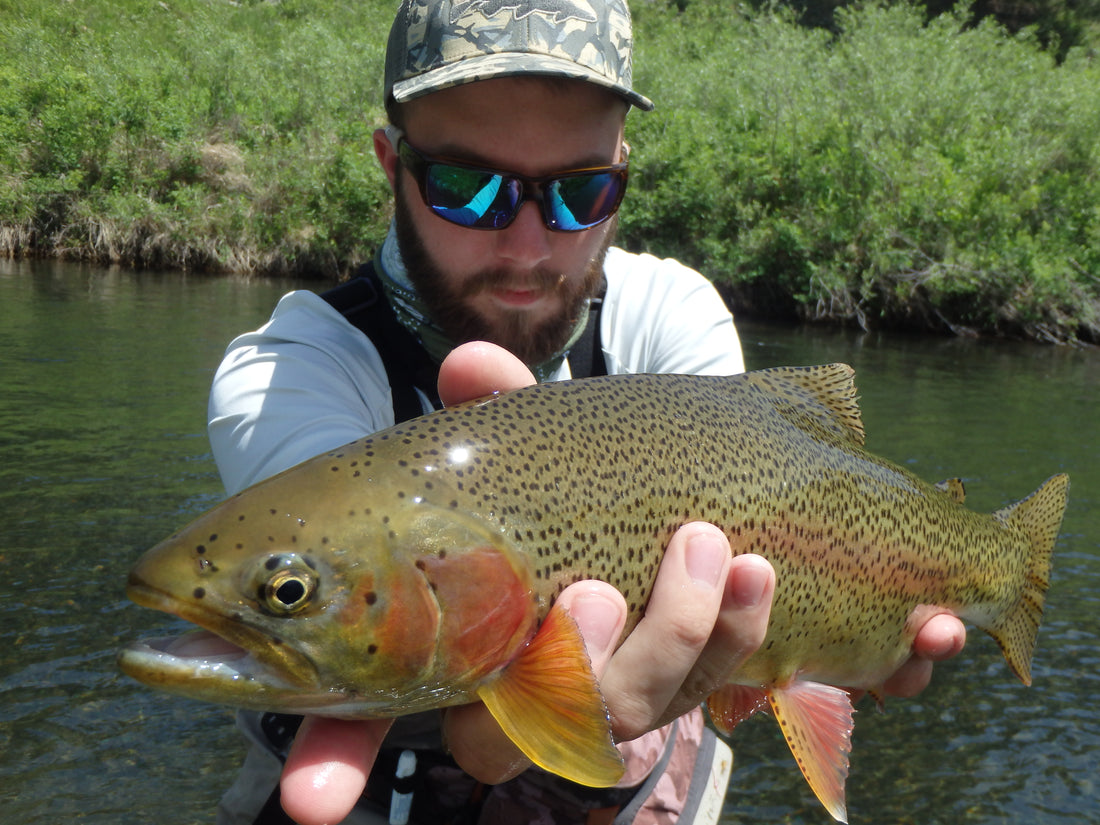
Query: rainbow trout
(417, 568)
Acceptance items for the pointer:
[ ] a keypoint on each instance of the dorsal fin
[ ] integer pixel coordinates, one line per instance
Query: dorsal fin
(824, 395)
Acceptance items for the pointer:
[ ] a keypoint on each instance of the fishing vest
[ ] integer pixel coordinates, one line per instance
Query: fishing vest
(408, 367)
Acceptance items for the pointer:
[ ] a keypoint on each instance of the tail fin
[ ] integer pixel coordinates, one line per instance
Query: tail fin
(1039, 516)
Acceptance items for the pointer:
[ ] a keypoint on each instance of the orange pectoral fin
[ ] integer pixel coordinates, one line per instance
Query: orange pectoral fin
(731, 705)
(549, 704)
(817, 723)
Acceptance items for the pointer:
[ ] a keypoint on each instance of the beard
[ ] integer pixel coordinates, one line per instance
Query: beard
(450, 309)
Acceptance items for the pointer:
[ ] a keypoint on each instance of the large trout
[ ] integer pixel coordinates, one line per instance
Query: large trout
(417, 568)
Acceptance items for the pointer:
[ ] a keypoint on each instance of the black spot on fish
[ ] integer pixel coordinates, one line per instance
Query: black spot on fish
(372, 649)
(371, 597)
(198, 593)
(200, 549)
(272, 563)
(213, 537)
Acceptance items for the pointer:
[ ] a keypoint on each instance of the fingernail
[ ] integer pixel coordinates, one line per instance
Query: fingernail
(705, 557)
(749, 583)
(597, 619)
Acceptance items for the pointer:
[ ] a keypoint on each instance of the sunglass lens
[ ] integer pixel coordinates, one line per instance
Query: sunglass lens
(581, 201)
(470, 197)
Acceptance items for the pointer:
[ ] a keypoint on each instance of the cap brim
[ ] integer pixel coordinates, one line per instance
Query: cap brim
(485, 67)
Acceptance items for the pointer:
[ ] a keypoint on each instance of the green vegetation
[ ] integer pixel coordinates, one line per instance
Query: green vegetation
(934, 176)
(890, 170)
(204, 134)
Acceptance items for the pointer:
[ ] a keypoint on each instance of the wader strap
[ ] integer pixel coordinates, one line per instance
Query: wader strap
(631, 808)
(586, 357)
(408, 367)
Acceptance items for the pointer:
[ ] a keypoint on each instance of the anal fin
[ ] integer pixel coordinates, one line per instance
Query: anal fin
(549, 703)
(816, 720)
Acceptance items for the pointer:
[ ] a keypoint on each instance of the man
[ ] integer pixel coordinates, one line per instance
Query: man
(507, 159)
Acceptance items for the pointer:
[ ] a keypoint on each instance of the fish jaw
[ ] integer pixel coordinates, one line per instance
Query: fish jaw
(225, 662)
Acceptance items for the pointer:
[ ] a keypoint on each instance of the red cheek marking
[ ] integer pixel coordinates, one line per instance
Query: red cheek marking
(488, 609)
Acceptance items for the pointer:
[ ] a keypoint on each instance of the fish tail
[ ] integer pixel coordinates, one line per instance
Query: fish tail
(1039, 516)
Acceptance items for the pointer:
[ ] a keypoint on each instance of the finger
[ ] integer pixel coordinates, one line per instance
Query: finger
(327, 767)
(474, 738)
(742, 622)
(941, 637)
(479, 746)
(478, 369)
(678, 622)
(909, 679)
(740, 629)
(600, 613)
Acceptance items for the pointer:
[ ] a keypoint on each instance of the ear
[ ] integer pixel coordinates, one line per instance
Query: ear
(386, 154)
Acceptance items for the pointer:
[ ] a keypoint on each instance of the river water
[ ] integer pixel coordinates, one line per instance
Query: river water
(103, 381)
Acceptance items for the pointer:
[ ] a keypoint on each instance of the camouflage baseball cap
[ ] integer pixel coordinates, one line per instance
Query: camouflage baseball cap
(437, 44)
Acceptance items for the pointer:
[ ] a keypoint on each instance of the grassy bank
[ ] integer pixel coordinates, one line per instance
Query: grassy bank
(932, 176)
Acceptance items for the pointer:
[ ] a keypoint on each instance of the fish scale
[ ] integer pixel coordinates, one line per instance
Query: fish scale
(418, 567)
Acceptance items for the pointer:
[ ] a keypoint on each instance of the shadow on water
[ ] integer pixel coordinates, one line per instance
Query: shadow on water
(103, 452)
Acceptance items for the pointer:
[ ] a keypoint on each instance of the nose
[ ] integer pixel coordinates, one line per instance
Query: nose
(525, 243)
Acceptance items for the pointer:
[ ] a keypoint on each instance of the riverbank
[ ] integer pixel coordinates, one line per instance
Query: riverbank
(900, 174)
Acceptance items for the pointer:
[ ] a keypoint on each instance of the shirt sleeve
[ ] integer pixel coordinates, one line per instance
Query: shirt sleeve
(661, 316)
(305, 382)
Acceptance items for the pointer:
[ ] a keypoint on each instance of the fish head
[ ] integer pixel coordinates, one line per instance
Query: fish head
(309, 605)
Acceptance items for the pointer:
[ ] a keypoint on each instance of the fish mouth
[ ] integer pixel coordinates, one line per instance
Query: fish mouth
(225, 660)
(197, 655)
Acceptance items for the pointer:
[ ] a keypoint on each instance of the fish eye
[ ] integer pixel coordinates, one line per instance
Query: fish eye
(286, 584)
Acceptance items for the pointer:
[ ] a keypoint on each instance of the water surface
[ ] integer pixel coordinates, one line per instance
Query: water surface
(103, 452)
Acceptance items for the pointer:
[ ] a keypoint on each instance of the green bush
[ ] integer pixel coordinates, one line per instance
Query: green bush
(202, 133)
(899, 173)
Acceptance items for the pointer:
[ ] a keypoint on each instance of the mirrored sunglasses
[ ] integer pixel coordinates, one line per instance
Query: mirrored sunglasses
(480, 198)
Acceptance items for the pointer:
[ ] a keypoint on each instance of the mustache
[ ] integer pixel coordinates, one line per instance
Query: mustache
(490, 279)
